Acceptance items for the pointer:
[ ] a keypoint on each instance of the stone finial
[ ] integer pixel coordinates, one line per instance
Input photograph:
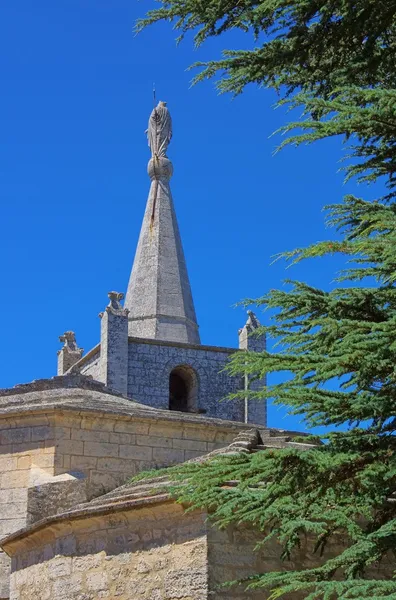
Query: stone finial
(69, 341)
(246, 342)
(252, 323)
(70, 353)
(115, 306)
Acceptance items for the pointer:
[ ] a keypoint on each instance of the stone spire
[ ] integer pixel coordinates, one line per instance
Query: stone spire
(159, 296)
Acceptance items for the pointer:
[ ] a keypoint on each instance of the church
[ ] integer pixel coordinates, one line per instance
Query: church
(148, 395)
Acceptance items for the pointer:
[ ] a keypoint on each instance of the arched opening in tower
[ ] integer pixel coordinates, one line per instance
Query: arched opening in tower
(183, 389)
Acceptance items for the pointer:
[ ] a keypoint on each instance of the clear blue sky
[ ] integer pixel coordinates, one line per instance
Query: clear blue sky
(76, 96)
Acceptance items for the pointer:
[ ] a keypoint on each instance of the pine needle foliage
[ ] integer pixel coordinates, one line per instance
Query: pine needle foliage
(334, 58)
(336, 349)
(346, 487)
(305, 45)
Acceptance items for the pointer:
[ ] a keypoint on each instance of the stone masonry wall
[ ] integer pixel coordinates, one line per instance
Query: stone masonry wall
(150, 551)
(92, 366)
(150, 554)
(232, 556)
(110, 448)
(150, 364)
(103, 450)
(22, 448)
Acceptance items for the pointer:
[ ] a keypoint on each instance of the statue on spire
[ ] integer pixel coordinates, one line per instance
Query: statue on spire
(159, 132)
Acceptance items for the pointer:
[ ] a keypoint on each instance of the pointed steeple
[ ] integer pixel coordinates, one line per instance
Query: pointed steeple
(159, 296)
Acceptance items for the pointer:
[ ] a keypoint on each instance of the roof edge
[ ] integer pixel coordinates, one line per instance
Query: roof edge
(82, 513)
(67, 381)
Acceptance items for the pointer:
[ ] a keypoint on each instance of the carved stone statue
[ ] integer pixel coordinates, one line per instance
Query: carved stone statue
(159, 132)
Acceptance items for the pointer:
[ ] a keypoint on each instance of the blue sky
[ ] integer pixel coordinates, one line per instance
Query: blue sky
(76, 96)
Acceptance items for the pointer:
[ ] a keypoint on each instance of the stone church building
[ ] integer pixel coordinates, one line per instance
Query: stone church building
(148, 395)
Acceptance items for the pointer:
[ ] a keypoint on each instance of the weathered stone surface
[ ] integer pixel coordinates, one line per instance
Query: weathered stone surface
(255, 411)
(145, 548)
(49, 432)
(113, 370)
(70, 353)
(150, 364)
(159, 297)
(56, 495)
(137, 554)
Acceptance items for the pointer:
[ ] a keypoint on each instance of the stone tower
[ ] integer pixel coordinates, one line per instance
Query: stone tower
(150, 349)
(159, 297)
(146, 396)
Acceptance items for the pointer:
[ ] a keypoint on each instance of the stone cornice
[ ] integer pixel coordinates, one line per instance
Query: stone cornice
(201, 347)
(11, 542)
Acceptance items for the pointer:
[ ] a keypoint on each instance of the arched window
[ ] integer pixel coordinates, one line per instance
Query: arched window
(183, 389)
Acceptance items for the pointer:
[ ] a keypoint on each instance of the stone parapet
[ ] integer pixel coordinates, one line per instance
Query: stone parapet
(68, 381)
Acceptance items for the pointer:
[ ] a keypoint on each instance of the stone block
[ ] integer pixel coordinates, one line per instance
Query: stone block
(15, 510)
(97, 424)
(204, 434)
(136, 452)
(190, 445)
(168, 456)
(225, 436)
(68, 588)
(69, 420)
(83, 463)
(122, 438)
(113, 464)
(44, 461)
(14, 479)
(15, 436)
(70, 447)
(100, 449)
(89, 435)
(61, 433)
(10, 525)
(60, 566)
(23, 462)
(105, 482)
(131, 427)
(96, 581)
(166, 430)
(186, 583)
(56, 495)
(86, 563)
(154, 441)
(27, 448)
(216, 446)
(45, 432)
(8, 463)
(4, 576)
(13, 495)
